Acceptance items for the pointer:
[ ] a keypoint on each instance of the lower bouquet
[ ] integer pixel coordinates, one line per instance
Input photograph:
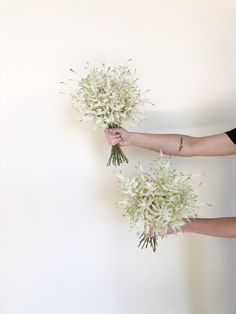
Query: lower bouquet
(157, 200)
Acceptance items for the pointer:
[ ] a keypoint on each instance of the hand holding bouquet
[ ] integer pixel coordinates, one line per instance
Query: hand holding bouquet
(109, 98)
(157, 200)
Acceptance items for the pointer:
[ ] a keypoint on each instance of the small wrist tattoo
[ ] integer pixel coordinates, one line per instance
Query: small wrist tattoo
(181, 144)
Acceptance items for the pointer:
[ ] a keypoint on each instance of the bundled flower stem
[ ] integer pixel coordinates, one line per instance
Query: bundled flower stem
(117, 156)
(157, 200)
(145, 240)
(109, 98)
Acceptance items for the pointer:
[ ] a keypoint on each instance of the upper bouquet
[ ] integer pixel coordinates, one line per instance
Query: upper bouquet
(157, 200)
(109, 98)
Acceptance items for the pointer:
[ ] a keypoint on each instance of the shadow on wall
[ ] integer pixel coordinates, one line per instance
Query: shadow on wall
(210, 261)
(221, 113)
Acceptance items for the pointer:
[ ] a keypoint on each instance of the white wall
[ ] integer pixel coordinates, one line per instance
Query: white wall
(64, 247)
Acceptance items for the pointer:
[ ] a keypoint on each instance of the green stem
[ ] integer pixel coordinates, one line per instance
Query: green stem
(145, 241)
(117, 156)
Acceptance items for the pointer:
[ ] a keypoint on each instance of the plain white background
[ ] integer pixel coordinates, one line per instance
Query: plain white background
(64, 246)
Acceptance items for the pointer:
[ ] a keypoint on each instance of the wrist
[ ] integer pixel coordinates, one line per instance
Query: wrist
(132, 139)
(188, 227)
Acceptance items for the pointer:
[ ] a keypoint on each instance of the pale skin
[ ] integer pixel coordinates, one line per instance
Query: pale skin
(184, 146)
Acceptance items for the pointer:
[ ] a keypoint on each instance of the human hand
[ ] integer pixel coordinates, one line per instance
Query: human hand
(169, 231)
(118, 136)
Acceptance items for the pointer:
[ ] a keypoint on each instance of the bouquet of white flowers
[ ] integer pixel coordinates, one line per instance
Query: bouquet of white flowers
(109, 98)
(156, 200)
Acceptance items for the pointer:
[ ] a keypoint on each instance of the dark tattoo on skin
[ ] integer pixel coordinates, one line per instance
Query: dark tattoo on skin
(181, 144)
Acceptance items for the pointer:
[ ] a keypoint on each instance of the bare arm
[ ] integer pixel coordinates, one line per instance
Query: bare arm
(217, 227)
(224, 227)
(174, 144)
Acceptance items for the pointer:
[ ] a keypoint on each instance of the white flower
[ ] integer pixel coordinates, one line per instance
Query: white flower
(108, 97)
(158, 198)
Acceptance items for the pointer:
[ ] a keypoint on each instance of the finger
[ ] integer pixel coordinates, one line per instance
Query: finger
(149, 234)
(114, 130)
(115, 141)
(113, 137)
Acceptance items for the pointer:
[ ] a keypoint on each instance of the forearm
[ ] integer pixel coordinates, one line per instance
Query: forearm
(174, 144)
(171, 144)
(184, 145)
(218, 227)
